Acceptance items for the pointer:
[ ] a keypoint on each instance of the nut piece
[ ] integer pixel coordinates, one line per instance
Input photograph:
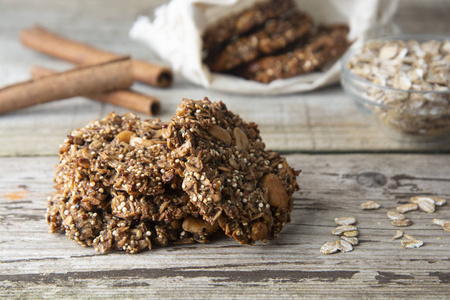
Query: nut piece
(276, 193)
(124, 136)
(198, 226)
(345, 220)
(402, 223)
(240, 138)
(259, 231)
(370, 205)
(344, 228)
(330, 247)
(220, 134)
(134, 141)
(351, 240)
(407, 207)
(395, 216)
(398, 234)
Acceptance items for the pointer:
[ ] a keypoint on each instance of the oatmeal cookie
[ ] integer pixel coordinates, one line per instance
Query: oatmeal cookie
(228, 175)
(128, 184)
(117, 172)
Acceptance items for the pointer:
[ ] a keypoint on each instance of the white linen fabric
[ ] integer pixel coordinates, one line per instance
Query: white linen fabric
(175, 35)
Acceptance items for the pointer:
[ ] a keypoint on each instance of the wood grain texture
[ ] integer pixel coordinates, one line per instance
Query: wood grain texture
(37, 264)
(321, 121)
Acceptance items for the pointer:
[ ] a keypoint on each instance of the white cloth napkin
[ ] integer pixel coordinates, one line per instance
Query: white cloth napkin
(175, 35)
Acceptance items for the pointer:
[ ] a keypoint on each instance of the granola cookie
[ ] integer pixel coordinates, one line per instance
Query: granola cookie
(128, 184)
(327, 44)
(276, 35)
(243, 22)
(228, 175)
(116, 173)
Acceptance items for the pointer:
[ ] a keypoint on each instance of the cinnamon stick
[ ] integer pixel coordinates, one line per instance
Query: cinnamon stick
(125, 98)
(40, 39)
(91, 79)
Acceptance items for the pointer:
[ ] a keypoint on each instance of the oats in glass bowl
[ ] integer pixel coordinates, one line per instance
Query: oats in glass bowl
(405, 82)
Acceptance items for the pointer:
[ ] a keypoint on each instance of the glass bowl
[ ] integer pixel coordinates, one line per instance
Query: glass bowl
(411, 109)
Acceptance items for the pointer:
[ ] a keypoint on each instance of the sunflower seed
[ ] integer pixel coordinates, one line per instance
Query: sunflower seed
(345, 220)
(407, 207)
(395, 216)
(402, 223)
(370, 205)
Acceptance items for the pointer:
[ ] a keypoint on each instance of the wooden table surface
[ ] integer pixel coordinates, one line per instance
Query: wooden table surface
(345, 159)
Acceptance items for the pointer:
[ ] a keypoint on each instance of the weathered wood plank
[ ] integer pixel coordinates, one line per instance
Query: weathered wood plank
(321, 121)
(35, 263)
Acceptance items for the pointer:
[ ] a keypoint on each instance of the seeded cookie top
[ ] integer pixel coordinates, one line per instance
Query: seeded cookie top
(225, 170)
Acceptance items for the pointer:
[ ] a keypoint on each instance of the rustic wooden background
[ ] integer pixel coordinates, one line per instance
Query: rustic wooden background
(345, 160)
(319, 121)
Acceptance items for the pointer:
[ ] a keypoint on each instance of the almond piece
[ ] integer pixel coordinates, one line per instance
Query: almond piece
(124, 136)
(240, 139)
(198, 226)
(259, 231)
(220, 134)
(275, 190)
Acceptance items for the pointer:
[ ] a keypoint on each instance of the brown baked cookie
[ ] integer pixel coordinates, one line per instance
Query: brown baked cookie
(127, 184)
(106, 232)
(275, 35)
(118, 170)
(238, 24)
(327, 44)
(228, 175)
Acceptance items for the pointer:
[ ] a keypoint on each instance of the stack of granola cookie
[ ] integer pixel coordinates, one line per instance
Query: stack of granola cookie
(271, 40)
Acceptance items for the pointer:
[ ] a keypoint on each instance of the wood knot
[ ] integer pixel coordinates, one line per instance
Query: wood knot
(371, 179)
